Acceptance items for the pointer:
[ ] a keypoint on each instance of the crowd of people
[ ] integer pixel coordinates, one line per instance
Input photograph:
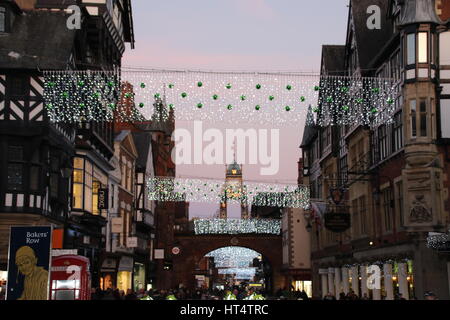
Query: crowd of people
(351, 295)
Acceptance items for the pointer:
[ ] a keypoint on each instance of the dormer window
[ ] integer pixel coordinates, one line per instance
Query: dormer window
(2, 19)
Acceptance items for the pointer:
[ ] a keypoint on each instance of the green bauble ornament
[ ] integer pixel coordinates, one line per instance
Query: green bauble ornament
(110, 84)
(184, 95)
(302, 99)
(96, 95)
(374, 110)
(289, 87)
(390, 101)
(359, 100)
(228, 86)
(229, 107)
(345, 108)
(171, 106)
(81, 83)
(142, 85)
(141, 105)
(49, 106)
(199, 105)
(288, 108)
(51, 84)
(82, 105)
(171, 85)
(316, 88)
(243, 98)
(112, 106)
(215, 97)
(258, 107)
(329, 99)
(344, 89)
(258, 86)
(65, 94)
(376, 90)
(271, 98)
(199, 84)
(316, 110)
(157, 95)
(128, 95)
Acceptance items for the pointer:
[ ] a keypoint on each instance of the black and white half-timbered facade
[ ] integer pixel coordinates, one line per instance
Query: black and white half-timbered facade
(51, 174)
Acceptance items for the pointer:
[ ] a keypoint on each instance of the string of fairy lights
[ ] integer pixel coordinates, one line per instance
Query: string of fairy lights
(228, 97)
(235, 261)
(218, 191)
(237, 226)
(439, 241)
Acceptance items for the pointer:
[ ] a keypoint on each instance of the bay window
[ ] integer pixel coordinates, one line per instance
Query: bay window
(85, 186)
(423, 47)
(411, 48)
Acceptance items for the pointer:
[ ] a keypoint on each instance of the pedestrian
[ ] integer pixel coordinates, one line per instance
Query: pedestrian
(342, 296)
(329, 297)
(130, 295)
(430, 296)
(365, 297)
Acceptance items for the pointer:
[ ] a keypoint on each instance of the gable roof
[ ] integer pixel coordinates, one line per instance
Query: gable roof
(333, 59)
(29, 46)
(143, 142)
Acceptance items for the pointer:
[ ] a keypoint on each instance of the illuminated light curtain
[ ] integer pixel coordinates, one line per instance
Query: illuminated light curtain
(212, 191)
(231, 260)
(237, 226)
(228, 97)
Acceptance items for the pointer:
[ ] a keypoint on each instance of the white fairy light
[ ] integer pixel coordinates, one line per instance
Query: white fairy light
(217, 191)
(237, 226)
(276, 98)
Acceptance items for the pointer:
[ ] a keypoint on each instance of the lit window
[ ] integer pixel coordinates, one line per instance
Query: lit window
(423, 47)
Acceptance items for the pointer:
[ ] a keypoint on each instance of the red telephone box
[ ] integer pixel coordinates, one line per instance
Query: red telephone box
(70, 278)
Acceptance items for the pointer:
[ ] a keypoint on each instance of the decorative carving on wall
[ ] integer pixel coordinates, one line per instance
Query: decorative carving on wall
(419, 211)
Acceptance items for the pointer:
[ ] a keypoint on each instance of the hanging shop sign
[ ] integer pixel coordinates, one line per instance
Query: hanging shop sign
(117, 225)
(337, 222)
(103, 199)
(337, 195)
(132, 242)
(29, 263)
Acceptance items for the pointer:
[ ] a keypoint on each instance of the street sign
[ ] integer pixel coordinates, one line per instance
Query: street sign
(337, 222)
(102, 199)
(60, 252)
(159, 254)
(176, 250)
(117, 225)
(132, 242)
(29, 263)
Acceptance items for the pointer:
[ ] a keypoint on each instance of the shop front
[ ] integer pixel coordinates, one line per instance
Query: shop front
(139, 279)
(3, 277)
(125, 273)
(108, 276)
(378, 280)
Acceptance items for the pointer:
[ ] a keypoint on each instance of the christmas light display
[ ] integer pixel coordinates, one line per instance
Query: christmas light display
(228, 97)
(240, 273)
(217, 191)
(237, 226)
(439, 241)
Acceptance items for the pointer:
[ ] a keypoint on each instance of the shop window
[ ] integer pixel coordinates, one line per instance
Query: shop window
(95, 187)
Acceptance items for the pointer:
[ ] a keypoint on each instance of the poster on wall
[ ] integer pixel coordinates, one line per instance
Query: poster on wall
(29, 263)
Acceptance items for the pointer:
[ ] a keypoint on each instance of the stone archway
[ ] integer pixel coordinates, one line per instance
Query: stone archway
(194, 248)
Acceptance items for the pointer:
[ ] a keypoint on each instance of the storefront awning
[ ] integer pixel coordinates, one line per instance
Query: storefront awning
(126, 264)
